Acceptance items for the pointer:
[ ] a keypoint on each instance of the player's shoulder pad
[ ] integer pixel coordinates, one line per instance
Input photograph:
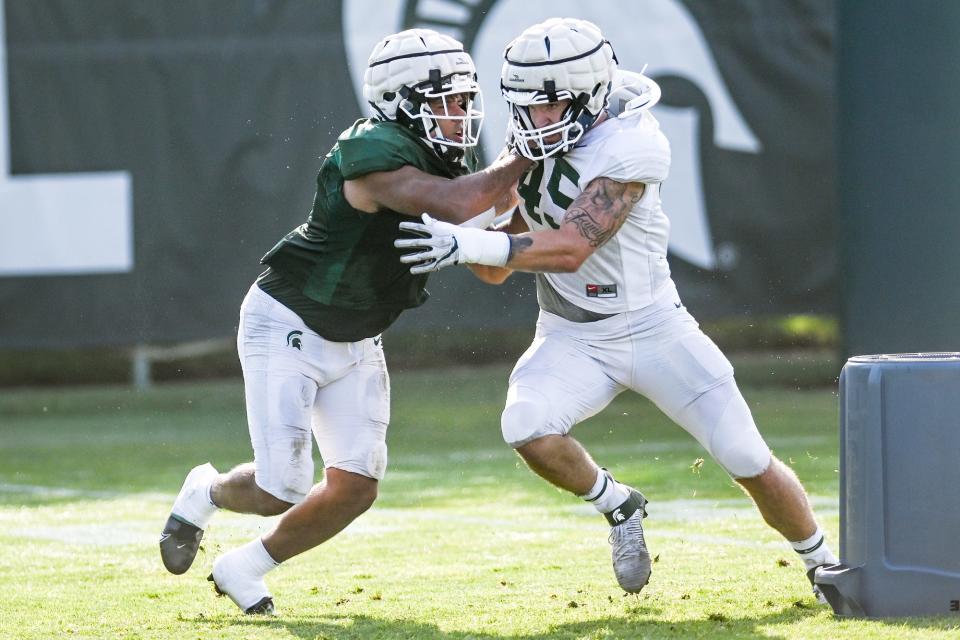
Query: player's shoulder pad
(370, 146)
(630, 150)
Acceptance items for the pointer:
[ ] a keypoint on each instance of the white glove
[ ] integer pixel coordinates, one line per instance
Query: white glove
(442, 244)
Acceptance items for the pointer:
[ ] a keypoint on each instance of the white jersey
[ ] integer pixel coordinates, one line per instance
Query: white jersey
(627, 272)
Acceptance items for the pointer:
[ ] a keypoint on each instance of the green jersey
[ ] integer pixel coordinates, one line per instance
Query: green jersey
(339, 271)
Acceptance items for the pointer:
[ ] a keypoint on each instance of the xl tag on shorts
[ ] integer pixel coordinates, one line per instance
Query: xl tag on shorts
(601, 291)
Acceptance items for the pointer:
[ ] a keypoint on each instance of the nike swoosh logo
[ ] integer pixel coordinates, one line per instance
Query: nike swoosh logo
(181, 546)
(164, 536)
(456, 245)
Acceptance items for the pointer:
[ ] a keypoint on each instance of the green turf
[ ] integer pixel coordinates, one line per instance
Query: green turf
(464, 542)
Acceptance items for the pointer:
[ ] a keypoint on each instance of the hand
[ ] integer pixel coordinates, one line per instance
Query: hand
(442, 244)
(512, 146)
(437, 241)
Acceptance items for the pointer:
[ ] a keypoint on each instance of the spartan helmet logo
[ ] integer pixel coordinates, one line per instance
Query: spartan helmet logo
(293, 340)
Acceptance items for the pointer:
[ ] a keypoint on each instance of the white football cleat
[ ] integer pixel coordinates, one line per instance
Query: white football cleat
(248, 591)
(631, 560)
(189, 516)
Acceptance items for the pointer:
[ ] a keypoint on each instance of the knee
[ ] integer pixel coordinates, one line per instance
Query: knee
(775, 473)
(523, 421)
(359, 501)
(737, 445)
(745, 463)
(353, 492)
(538, 451)
(367, 495)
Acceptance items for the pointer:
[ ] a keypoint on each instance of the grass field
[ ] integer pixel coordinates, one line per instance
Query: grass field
(464, 542)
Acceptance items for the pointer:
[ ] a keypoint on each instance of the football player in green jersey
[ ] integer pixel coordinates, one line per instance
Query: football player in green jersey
(309, 333)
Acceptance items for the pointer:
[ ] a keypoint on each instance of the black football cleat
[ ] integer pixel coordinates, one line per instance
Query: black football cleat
(179, 544)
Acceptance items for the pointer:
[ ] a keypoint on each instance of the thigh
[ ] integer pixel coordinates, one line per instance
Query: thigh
(279, 392)
(721, 421)
(351, 415)
(677, 364)
(564, 378)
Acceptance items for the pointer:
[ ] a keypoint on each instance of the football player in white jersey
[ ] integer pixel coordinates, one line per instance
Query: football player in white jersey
(591, 227)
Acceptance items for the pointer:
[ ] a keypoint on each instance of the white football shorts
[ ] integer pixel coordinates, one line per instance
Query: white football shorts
(573, 370)
(297, 382)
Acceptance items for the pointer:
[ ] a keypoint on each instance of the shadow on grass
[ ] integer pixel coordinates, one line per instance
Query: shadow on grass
(637, 622)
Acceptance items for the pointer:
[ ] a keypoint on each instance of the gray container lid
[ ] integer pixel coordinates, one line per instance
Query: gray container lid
(909, 357)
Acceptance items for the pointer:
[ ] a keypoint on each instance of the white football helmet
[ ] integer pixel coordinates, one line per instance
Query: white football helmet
(409, 69)
(560, 59)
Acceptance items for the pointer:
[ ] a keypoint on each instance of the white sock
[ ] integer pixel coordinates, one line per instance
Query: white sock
(194, 504)
(814, 550)
(256, 558)
(607, 494)
(200, 513)
(208, 509)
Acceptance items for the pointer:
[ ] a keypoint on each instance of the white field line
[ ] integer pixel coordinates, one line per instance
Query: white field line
(143, 530)
(56, 492)
(140, 522)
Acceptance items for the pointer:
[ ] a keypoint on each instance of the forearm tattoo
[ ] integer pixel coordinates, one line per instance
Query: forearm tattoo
(518, 244)
(602, 208)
